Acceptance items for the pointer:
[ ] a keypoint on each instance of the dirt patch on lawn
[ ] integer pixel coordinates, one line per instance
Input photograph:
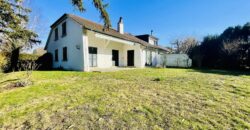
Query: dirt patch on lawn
(15, 85)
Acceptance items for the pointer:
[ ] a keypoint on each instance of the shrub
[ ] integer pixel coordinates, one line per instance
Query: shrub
(45, 62)
(28, 57)
(25, 59)
(3, 62)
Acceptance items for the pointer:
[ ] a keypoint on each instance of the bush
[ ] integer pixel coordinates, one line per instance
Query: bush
(29, 57)
(25, 59)
(45, 62)
(3, 62)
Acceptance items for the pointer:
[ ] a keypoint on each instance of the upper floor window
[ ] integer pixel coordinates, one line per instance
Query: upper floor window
(156, 43)
(65, 55)
(56, 55)
(64, 29)
(56, 34)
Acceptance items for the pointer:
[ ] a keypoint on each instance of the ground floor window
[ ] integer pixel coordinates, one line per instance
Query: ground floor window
(65, 54)
(56, 55)
(92, 56)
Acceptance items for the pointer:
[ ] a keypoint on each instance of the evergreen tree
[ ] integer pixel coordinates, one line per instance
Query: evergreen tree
(14, 32)
(230, 50)
(99, 6)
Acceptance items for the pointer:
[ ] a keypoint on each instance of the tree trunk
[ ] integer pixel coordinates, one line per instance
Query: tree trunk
(14, 56)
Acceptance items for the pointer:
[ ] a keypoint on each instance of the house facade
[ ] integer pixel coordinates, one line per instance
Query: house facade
(79, 44)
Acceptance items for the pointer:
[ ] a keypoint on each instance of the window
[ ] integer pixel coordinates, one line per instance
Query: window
(156, 43)
(92, 56)
(65, 55)
(56, 55)
(64, 29)
(56, 34)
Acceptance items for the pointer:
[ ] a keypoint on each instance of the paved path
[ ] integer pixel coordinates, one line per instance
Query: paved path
(112, 69)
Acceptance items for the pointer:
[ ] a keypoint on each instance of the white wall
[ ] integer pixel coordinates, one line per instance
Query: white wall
(178, 60)
(156, 56)
(85, 50)
(105, 47)
(151, 41)
(71, 41)
(138, 52)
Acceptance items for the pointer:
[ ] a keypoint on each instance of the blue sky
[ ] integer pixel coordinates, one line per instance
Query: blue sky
(170, 19)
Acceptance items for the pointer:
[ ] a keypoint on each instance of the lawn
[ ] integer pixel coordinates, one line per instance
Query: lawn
(131, 99)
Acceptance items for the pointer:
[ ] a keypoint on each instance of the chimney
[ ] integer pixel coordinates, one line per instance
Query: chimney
(120, 27)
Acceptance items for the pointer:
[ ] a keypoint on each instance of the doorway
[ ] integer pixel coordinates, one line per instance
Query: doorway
(115, 57)
(92, 57)
(131, 57)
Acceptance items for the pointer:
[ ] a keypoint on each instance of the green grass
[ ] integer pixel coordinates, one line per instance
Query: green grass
(131, 99)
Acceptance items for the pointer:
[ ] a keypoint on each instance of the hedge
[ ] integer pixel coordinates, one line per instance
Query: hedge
(44, 61)
(29, 57)
(3, 62)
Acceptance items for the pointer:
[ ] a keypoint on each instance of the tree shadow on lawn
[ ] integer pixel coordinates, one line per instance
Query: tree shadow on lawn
(223, 72)
(9, 80)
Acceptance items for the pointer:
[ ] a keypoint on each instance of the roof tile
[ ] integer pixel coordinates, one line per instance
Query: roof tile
(111, 32)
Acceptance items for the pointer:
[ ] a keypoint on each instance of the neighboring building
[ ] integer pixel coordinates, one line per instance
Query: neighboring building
(149, 38)
(79, 44)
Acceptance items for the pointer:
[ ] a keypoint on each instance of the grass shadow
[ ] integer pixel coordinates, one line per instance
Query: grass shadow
(10, 80)
(223, 72)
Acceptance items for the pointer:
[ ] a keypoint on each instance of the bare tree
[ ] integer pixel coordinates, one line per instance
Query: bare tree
(176, 44)
(235, 53)
(28, 67)
(188, 44)
(230, 47)
(184, 46)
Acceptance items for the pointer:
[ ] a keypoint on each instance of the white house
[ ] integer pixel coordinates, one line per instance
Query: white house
(79, 44)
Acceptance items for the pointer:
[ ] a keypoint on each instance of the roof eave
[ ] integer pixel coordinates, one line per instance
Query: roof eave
(63, 17)
(84, 27)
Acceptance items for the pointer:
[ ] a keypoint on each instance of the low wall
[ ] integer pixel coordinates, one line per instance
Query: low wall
(178, 60)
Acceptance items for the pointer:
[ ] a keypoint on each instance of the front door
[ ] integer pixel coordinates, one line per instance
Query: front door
(115, 57)
(92, 57)
(130, 56)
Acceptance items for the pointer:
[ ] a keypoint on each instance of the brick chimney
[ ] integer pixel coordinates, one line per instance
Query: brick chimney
(120, 27)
